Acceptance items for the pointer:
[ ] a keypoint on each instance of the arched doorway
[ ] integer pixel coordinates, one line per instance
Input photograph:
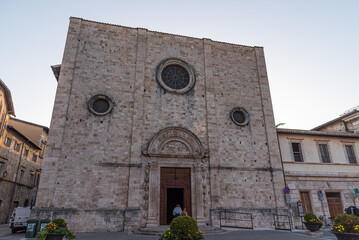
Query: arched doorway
(175, 189)
(175, 175)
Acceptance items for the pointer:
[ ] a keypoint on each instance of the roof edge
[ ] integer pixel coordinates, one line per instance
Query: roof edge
(35, 124)
(316, 133)
(334, 120)
(172, 34)
(23, 136)
(8, 98)
(56, 71)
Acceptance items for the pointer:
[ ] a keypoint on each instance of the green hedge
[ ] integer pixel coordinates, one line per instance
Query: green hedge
(182, 228)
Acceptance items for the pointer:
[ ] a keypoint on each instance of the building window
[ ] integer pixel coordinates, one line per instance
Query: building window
(324, 153)
(32, 179)
(297, 152)
(7, 141)
(2, 167)
(17, 146)
(37, 178)
(26, 202)
(2, 126)
(15, 204)
(21, 176)
(350, 153)
(239, 116)
(307, 206)
(26, 152)
(34, 157)
(42, 150)
(100, 104)
(175, 75)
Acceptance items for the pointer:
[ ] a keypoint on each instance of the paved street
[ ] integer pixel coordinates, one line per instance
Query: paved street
(5, 234)
(233, 235)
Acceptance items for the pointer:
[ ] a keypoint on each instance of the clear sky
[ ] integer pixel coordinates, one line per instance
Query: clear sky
(311, 47)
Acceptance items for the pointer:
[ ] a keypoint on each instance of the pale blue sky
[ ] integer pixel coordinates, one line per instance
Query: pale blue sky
(311, 47)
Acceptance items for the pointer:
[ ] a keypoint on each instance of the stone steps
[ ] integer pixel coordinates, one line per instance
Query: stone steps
(156, 231)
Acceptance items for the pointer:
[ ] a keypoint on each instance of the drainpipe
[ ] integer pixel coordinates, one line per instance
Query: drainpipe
(346, 126)
(14, 186)
(291, 218)
(281, 159)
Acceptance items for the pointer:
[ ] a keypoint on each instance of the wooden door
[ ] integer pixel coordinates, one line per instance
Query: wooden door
(307, 206)
(175, 189)
(334, 204)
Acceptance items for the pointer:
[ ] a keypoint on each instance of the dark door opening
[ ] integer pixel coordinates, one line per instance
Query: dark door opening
(174, 197)
(175, 188)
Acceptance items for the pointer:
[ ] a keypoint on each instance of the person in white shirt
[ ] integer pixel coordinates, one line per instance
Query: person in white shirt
(177, 211)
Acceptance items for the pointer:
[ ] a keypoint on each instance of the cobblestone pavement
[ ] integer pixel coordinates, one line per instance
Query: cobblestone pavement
(5, 234)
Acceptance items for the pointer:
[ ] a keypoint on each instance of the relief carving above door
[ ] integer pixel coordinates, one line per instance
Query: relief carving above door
(175, 142)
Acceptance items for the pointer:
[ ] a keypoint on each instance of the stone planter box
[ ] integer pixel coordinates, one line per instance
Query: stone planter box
(346, 236)
(313, 226)
(54, 236)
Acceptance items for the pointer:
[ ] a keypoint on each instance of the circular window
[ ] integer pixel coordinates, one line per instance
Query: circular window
(239, 116)
(175, 75)
(100, 104)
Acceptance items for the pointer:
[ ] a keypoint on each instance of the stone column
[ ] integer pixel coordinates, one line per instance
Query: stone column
(154, 195)
(137, 120)
(199, 193)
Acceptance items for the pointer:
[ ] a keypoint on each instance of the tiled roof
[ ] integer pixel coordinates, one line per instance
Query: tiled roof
(31, 130)
(56, 70)
(28, 140)
(317, 133)
(334, 120)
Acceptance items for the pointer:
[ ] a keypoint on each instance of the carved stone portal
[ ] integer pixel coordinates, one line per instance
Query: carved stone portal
(163, 150)
(175, 142)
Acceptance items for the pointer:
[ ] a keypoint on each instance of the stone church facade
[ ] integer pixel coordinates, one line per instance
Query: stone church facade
(145, 120)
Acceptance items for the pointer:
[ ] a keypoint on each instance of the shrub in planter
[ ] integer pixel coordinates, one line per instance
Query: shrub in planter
(181, 228)
(312, 223)
(55, 227)
(345, 223)
(311, 218)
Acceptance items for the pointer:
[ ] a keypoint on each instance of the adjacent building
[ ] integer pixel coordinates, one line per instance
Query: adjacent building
(22, 147)
(6, 109)
(145, 120)
(321, 166)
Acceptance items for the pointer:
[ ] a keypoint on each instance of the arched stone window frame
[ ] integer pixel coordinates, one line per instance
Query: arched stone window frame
(179, 62)
(243, 111)
(96, 97)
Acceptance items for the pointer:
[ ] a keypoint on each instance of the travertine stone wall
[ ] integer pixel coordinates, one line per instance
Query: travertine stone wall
(4, 115)
(94, 163)
(345, 185)
(349, 124)
(11, 188)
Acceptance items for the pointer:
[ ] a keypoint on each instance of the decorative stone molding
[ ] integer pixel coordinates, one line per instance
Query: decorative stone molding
(153, 165)
(175, 142)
